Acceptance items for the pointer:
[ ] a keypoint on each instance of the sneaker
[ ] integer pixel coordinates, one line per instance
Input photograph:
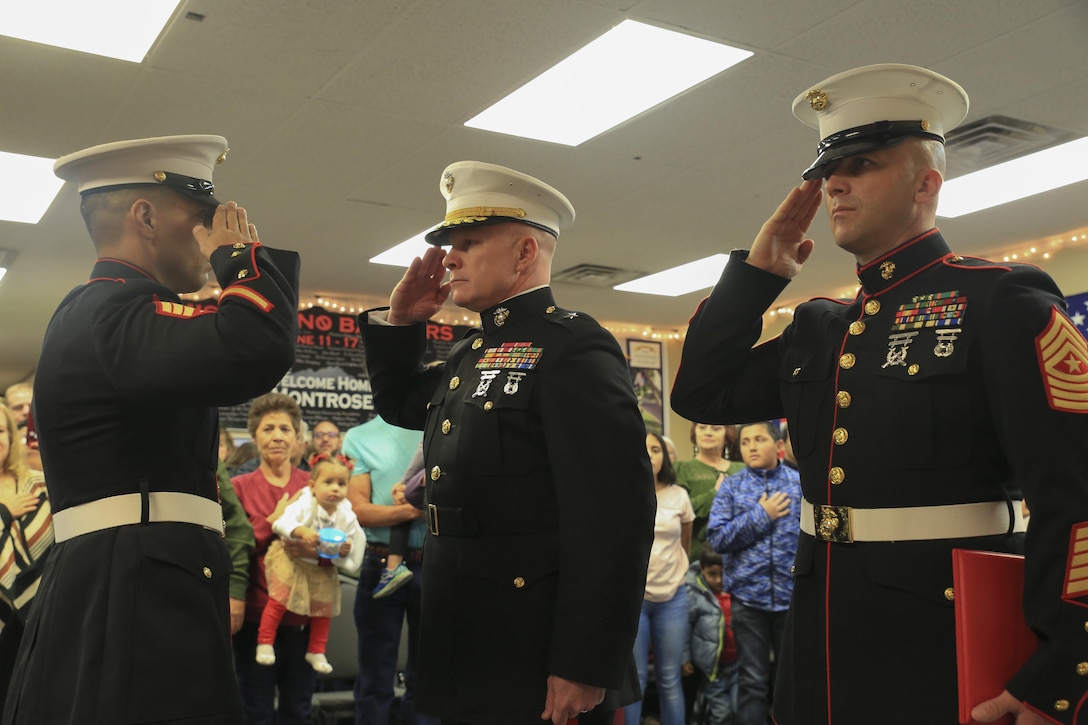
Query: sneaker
(266, 655)
(392, 580)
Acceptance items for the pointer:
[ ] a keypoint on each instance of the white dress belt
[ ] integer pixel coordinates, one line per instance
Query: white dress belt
(917, 523)
(124, 510)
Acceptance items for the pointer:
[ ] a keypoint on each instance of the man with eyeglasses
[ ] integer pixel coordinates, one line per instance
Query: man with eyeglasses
(326, 439)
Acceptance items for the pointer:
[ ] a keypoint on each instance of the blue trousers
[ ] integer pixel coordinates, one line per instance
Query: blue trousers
(379, 622)
(758, 634)
(292, 675)
(665, 624)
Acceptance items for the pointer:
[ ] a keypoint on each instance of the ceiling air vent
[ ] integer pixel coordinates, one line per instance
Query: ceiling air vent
(595, 275)
(996, 139)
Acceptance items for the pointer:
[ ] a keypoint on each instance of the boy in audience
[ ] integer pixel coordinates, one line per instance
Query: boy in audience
(713, 651)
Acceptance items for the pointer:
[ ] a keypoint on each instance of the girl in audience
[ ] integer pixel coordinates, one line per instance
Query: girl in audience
(664, 619)
(301, 585)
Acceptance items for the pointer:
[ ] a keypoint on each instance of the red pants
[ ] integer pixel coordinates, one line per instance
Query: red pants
(270, 622)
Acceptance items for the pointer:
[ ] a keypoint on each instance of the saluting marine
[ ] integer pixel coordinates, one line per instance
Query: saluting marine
(540, 499)
(920, 412)
(131, 622)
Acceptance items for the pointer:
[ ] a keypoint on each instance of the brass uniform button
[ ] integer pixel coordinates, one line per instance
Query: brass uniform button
(913, 369)
(436, 473)
(159, 176)
(843, 399)
(1082, 669)
(950, 594)
(856, 328)
(796, 372)
(207, 573)
(446, 426)
(519, 582)
(836, 475)
(847, 361)
(454, 382)
(840, 435)
(872, 307)
(1061, 705)
(489, 405)
(477, 343)
(550, 309)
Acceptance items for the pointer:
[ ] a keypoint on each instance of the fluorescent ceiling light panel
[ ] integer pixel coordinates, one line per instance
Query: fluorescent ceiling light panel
(697, 275)
(122, 29)
(1026, 176)
(619, 75)
(27, 187)
(403, 254)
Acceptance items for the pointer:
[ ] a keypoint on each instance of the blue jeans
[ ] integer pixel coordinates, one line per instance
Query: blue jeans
(666, 624)
(758, 634)
(292, 675)
(378, 622)
(716, 702)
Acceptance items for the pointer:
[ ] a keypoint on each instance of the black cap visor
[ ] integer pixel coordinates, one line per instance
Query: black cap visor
(854, 141)
(440, 235)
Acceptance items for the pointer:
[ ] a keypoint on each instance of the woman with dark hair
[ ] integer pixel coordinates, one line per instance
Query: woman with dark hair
(702, 475)
(274, 421)
(664, 619)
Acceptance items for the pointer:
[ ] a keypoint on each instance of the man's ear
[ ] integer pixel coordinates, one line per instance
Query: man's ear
(929, 186)
(142, 213)
(528, 248)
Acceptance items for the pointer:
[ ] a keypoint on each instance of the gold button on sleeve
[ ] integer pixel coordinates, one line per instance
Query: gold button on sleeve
(950, 594)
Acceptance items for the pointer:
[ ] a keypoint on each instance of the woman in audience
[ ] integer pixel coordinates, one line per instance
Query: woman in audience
(226, 444)
(26, 537)
(274, 421)
(664, 619)
(702, 475)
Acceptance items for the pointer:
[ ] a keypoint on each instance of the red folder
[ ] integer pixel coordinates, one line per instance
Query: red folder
(992, 638)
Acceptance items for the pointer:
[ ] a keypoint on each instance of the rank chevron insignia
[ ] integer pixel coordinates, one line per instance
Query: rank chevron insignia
(1063, 362)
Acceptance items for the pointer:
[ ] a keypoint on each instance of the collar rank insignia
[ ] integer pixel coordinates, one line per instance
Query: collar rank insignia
(511, 356)
(887, 269)
(1063, 363)
(500, 316)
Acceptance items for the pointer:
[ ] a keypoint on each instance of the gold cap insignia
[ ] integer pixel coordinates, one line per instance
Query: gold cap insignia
(924, 124)
(222, 156)
(817, 100)
(447, 179)
(160, 176)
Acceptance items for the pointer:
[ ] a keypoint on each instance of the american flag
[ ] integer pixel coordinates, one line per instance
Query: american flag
(1078, 311)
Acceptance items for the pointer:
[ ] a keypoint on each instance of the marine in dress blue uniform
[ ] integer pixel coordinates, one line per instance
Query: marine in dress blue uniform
(131, 622)
(921, 411)
(540, 496)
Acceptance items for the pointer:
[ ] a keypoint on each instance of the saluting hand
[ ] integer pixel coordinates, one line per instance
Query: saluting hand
(229, 226)
(420, 293)
(781, 247)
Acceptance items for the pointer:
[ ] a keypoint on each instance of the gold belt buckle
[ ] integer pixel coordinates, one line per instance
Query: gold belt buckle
(432, 518)
(833, 523)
